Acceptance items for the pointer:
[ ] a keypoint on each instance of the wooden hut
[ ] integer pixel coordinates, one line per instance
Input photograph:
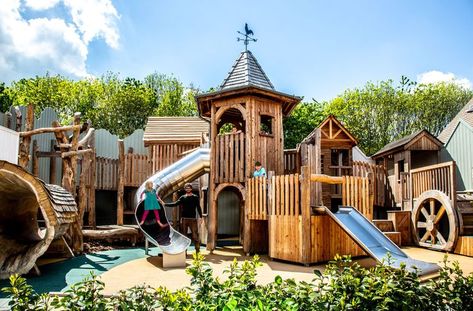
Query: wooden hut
(248, 100)
(401, 156)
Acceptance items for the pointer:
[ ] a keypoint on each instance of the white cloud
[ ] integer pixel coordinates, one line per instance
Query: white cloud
(435, 76)
(33, 46)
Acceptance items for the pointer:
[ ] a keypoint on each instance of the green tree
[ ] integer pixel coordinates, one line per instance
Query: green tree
(305, 117)
(172, 98)
(5, 100)
(382, 112)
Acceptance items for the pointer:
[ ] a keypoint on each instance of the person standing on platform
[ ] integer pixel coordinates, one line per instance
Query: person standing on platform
(259, 170)
(190, 208)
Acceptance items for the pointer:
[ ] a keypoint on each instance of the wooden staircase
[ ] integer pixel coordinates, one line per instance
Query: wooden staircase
(397, 227)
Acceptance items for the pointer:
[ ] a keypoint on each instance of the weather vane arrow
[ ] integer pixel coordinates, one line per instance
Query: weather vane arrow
(247, 36)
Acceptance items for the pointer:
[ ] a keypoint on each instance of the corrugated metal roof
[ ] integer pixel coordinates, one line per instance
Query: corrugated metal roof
(174, 130)
(464, 115)
(246, 71)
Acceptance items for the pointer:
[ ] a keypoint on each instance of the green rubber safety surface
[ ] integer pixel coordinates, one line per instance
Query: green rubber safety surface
(56, 277)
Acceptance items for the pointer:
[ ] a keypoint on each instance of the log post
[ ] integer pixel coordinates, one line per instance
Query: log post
(8, 119)
(305, 246)
(92, 220)
(24, 156)
(52, 165)
(121, 181)
(75, 147)
(35, 163)
(83, 199)
(18, 118)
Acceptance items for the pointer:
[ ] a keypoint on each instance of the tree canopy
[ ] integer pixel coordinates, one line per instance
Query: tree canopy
(120, 105)
(382, 112)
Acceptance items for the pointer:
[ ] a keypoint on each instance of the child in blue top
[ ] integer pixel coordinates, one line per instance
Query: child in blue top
(259, 170)
(151, 199)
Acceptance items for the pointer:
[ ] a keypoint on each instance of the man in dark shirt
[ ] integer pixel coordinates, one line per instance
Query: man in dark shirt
(190, 204)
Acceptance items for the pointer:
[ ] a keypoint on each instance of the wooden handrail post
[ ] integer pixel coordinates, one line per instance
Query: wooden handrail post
(305, 245)
(24, 155)
(121, 181)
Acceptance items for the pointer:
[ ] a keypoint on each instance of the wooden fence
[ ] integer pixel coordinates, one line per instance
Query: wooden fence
(356, 193)
(163, 155)
(378, 180)
(285, 193)
(106, 174)
(137, 169)
(291, 161)
(230, 150)
(256, 198)
(434, 177)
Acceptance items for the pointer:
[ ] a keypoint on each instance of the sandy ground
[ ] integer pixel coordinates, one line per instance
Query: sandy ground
(149, 270)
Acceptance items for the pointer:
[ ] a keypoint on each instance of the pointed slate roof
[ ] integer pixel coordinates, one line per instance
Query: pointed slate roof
(466, 114)
(246, 72)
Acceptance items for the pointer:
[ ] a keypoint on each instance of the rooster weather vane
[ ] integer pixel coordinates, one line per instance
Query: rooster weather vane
(247, 36)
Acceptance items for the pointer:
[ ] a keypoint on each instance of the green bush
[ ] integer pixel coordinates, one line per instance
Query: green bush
(344, 285)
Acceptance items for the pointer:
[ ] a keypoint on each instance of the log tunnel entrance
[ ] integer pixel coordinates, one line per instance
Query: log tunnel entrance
(30, 218)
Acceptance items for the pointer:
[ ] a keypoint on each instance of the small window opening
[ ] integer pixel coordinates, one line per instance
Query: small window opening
(266, 125)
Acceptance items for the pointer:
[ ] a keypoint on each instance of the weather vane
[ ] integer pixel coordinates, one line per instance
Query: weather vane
(246, 40)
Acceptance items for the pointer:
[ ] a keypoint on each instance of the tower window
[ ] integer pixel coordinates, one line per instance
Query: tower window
(266, 125)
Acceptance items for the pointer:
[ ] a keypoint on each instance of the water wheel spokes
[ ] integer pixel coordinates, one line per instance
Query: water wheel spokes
(435, 221)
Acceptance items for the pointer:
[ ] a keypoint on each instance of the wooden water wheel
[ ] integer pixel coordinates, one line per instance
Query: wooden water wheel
(435, 221)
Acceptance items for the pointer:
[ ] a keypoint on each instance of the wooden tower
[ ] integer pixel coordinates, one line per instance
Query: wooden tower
(247, 100)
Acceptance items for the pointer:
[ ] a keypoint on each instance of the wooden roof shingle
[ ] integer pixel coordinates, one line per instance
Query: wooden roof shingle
(179, 130)
(404, 142)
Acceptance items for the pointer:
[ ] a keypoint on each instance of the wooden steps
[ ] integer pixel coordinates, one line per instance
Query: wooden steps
(397, 227)
(384, 225)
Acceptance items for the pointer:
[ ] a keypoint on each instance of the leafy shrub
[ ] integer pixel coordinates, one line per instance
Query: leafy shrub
(344, 285)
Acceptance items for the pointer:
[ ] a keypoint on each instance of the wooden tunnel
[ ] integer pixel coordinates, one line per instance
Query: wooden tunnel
(32, 215)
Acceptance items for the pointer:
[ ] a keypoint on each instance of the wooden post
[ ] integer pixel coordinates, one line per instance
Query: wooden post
(270, 207)
(52, 165)
(18, 119)
(93, 172)
(83, 199)
(24, 155)
(121, 181)
(305, 246)
(8, 119)
(74, 142)
(35, 163)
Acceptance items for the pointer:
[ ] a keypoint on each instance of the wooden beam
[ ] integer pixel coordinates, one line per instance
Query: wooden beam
(121, 180)
(35, 163)
(326, 179)
(31, 132)
(76, 153)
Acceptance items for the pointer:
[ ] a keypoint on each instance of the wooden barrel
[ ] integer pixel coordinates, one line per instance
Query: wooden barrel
(32, 215)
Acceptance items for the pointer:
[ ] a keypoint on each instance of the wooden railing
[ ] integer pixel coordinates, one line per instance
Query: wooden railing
(230, 158)
(163, 155)
(285, 193)
(378, 179)
(256, 198)
(291, 161)
(356, 193)
(106, 174)
(137, 169)
(434, 177)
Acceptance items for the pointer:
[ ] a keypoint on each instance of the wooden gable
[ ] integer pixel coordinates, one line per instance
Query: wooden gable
(424, 141)
(333, 132)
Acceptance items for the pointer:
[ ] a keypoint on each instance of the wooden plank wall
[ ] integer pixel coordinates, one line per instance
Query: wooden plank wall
(106, 174)
(230, 162)
(137, 169)
(163, 155)
(328, 240)
(434, 177)
(464, 246)
(285, 193)
(356, 193)
(256, 198)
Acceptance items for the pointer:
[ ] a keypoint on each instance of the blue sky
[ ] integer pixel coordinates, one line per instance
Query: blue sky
(315, 49)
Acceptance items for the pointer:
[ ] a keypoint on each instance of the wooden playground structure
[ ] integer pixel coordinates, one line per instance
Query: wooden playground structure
(283, 214)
